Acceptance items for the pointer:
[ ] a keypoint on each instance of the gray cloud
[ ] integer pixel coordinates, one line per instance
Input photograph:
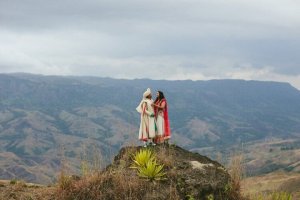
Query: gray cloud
(194, 39)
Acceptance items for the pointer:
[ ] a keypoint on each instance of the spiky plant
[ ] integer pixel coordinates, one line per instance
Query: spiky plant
(141, 158)
(152, 171)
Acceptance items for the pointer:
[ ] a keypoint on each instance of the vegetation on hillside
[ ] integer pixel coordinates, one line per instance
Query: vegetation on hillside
(67, 113)
(121, 180)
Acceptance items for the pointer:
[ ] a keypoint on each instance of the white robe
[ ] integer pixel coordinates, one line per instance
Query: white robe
(147, 125)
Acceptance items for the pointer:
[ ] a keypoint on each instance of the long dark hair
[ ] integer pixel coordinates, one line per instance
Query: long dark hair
(160, 96)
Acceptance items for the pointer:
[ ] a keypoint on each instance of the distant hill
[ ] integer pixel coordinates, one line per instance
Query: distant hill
(46, 120)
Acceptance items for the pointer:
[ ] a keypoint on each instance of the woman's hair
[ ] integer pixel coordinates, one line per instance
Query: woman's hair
(160, 96)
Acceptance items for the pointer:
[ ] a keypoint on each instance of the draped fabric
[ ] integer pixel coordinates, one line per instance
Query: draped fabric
(147, 125)
(167, 129)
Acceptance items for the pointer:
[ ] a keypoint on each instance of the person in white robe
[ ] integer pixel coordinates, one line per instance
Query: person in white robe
(147, 125)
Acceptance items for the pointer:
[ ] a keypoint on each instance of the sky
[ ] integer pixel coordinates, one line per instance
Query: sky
(165, 39)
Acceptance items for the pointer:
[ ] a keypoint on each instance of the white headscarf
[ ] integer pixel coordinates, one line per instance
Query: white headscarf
(146, 93)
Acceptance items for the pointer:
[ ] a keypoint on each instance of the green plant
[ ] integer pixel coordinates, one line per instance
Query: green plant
(64, 182)
(84, 168)
(142, 157)
(190, 197)
(13, 181)
(273, 196)
(151, 170)
(210, 197)
(227, 188)
(145, 162)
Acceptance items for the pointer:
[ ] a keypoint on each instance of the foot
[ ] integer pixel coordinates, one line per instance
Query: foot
(145, 144)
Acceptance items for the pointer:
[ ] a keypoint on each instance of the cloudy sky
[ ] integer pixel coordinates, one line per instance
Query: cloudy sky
(165, 39)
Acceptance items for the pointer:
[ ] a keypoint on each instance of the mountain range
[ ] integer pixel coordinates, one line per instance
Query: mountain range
(47, 122)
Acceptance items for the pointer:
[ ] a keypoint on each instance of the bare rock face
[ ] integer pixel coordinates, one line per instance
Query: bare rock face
(188, 175)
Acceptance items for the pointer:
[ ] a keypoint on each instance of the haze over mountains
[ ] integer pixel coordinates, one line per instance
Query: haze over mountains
(47, 119)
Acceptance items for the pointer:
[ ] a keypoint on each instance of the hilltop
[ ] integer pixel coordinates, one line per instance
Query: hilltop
(187, 176)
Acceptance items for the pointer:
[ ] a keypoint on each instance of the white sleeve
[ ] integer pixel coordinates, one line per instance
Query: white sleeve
(146, 110)
(139, 108)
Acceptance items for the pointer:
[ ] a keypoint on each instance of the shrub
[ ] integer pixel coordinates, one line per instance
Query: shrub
(142, 157)
(210, 197)
(152, 171)
(65, 182)
(146, 164)
(13, 181)
(84, 168)
(190, 197)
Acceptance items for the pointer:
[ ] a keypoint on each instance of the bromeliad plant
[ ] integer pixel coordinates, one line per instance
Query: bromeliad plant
(141, 158)
(152, 171)
(145, 163)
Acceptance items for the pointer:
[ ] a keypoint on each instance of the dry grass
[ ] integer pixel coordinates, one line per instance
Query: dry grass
(173, 193)
(166, 157)
(268, 187)
(276, 181)
(119, 182)
(107, 185)
(23, 191)
(274, 195)
(236, 171)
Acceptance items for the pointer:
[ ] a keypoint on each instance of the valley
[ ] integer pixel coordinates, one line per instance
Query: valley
(47, 122)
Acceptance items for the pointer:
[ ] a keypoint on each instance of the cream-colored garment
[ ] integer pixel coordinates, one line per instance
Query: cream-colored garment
(147, 125)
(160, 122)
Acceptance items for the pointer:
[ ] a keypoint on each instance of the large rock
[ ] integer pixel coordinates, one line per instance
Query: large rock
(188, 175)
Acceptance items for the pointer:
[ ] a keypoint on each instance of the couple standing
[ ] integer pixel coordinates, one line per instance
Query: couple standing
(154, 126)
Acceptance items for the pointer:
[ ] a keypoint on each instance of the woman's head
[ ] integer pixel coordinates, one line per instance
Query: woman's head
(159, 95)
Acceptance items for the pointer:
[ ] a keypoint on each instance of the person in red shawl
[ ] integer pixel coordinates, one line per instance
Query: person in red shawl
(162, 118)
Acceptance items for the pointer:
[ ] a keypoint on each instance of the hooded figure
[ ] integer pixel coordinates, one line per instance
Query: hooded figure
(147, 125)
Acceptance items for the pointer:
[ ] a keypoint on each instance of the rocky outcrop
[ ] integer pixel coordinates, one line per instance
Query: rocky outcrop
(188, 175)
